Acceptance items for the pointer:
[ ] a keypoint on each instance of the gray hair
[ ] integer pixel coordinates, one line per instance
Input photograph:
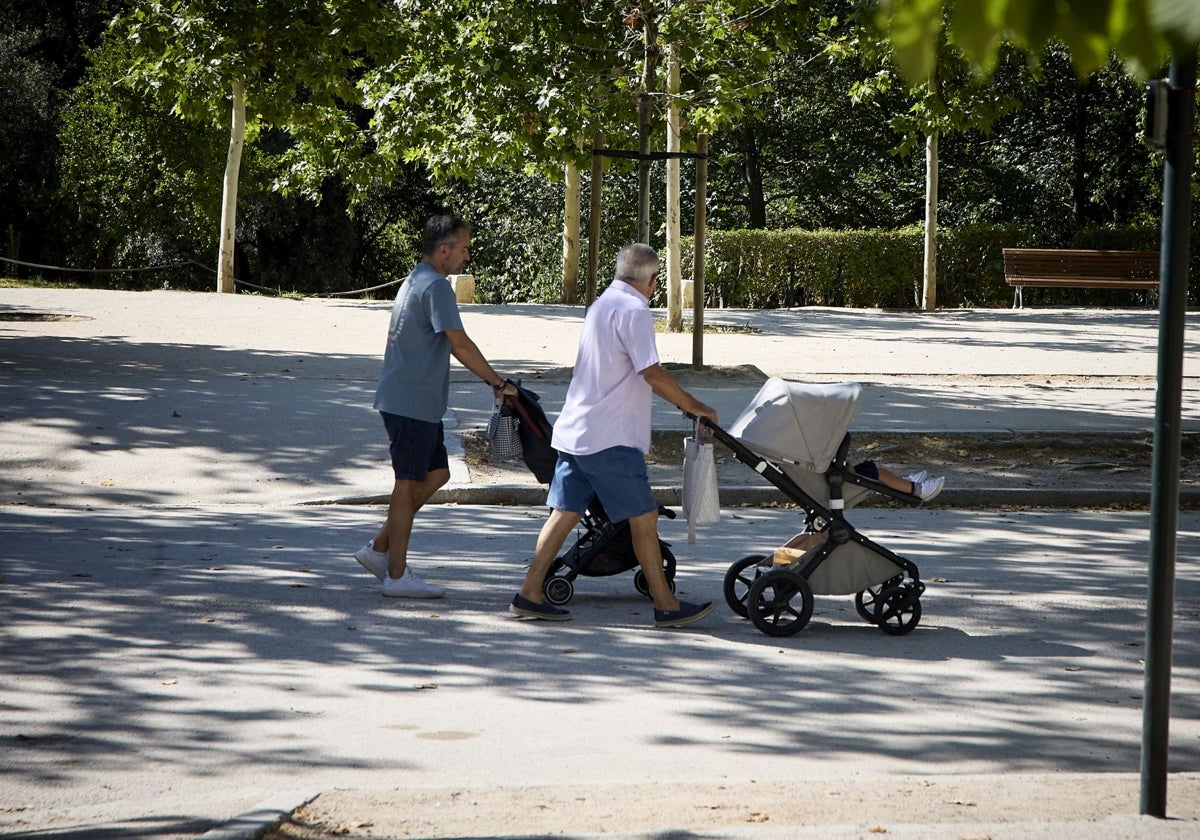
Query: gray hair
(440, 230)
(637, 262)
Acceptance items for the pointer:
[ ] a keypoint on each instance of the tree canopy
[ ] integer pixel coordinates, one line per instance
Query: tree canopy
(1142, 32)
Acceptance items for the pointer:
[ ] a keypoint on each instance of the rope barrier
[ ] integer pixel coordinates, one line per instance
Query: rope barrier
(108, 270)
(182, 264)
(364, 291)
(329, 295)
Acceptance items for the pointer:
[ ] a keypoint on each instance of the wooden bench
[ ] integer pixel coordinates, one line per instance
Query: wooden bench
(1060, 268)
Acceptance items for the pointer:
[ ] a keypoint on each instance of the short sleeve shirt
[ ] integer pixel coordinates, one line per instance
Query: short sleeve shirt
(608, 402)
(415, 380)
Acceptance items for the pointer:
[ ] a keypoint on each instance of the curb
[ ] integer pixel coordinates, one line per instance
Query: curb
(264, 816)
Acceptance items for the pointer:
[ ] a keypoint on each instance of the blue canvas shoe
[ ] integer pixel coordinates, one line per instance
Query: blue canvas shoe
(524, 608)
(686, 614)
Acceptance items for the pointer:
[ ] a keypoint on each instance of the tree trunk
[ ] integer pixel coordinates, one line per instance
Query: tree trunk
(698, 231)
(233, 165)
(645, 115)
(1078, 184)
(594, 219)
(570, 276)
(674, 246)
(929, 295)
(756, 204)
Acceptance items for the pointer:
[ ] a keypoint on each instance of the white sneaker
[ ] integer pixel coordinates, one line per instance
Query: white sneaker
(918, 477)
(375, 562)
(410, 585)
(926, 490)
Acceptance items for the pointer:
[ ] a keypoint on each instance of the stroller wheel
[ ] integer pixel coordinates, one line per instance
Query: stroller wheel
(639, 578)
(865, 601)
(898, 610)
(558, 590)
(780, 603)
(741, 577)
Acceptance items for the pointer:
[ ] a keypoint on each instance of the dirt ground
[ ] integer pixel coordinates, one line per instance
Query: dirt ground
(961, 807)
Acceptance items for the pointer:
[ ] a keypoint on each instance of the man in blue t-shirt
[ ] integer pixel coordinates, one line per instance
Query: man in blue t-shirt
(413, 395)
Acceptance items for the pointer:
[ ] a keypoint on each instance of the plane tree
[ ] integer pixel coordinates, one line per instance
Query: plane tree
(536, 86)
(256, 65)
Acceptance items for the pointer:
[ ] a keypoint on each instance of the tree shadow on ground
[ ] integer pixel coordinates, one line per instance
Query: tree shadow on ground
(197, 639)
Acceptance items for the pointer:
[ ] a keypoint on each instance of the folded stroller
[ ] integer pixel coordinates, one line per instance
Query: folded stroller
(602, 548)
(796, 437)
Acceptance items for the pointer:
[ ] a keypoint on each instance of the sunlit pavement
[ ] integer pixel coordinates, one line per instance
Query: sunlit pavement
(184, 638)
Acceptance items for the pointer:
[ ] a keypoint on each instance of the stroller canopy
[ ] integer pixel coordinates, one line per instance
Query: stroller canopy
(792, 421)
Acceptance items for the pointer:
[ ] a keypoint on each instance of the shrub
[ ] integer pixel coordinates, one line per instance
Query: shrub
(763, 269)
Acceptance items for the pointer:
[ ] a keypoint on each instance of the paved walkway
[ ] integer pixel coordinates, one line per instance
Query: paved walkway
(186, 641)
(177, 398)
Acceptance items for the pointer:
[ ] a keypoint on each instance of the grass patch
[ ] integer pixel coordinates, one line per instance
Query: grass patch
(660, 325)
(35, 283)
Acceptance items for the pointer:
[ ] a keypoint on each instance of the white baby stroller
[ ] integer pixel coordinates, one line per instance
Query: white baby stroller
(795, 436)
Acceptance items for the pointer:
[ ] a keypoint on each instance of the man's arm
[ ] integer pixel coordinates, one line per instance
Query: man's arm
(470, 357)
(663, 384)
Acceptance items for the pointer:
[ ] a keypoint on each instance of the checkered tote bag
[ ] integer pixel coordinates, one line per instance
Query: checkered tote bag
(504, 439)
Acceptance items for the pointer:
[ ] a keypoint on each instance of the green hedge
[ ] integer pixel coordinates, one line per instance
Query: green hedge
(764, 269)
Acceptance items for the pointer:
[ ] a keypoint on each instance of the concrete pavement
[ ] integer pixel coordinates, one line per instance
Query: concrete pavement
(179, 398)
(185, 639)
(168, 669)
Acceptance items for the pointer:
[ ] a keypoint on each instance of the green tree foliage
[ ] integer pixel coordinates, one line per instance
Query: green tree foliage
(1142, 32)
(26, 132)
(952, 98)
(42, 49)
(142, 183)
(480, 85)
(1069, 155)
(1058, 150)
(288, 65)
(807, 156)
(139, 184)
(299, 61)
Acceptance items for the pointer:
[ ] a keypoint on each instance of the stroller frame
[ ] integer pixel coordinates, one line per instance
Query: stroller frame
(759, 589)
(603, 549)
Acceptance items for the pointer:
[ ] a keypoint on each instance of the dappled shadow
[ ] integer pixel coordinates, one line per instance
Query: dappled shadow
(155, 826)
(93, 419)
(208, 639)
(96, 409)
(152, 646)
(97, 418)
(1029, 408)
(1089, 330)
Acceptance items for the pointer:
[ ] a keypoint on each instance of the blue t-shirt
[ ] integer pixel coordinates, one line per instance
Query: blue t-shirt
(415, 380)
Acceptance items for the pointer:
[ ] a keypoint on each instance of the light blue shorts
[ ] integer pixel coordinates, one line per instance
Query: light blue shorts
(616, 476)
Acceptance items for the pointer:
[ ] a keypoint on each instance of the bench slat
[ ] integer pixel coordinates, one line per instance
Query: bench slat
(1079, 269)
(1084, 282)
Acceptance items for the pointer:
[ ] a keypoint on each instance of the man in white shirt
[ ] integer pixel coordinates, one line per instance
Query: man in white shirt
(603, 435)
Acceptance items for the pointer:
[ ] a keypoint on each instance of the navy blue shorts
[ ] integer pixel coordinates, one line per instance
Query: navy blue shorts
(418, 447)
(867, 469)
(617, 476)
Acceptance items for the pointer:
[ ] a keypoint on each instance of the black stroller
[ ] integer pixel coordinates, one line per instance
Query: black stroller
(603, 548)
(796, 437)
